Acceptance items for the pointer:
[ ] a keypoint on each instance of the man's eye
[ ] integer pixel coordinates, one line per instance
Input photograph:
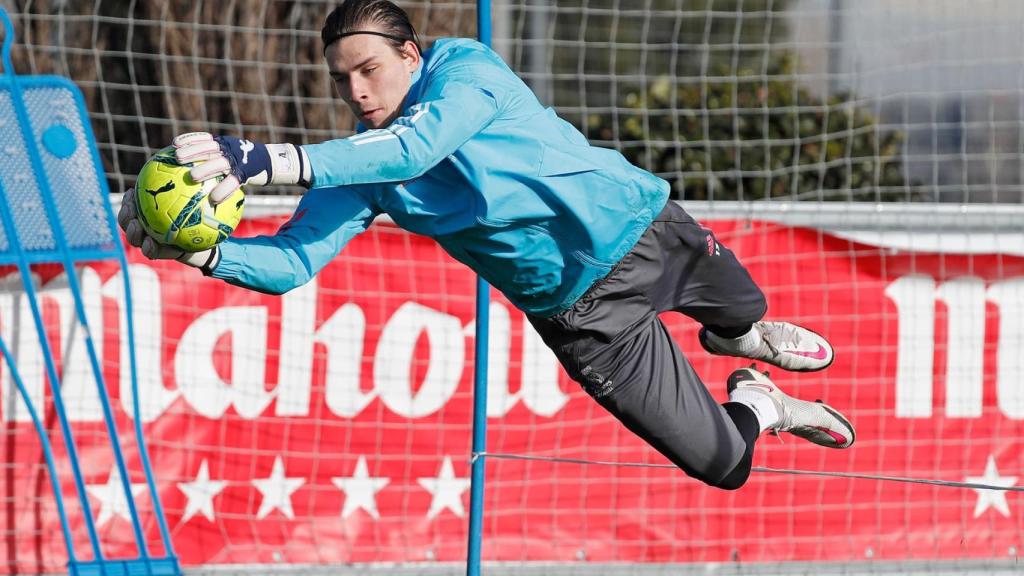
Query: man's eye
(369, 70)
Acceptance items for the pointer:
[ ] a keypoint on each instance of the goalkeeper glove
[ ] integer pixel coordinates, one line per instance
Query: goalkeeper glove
(241, 162)
(128, 220)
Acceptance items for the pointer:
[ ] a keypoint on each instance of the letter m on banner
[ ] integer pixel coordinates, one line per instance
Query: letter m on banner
(55, 210)
(965, 298)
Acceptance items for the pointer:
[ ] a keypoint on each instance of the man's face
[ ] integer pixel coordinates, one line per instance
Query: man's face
(371, 76)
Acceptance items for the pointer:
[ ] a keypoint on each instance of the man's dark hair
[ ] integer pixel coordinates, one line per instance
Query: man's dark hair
(355, 16)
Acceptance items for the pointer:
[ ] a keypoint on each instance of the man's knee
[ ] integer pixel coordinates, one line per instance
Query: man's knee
(721, 471)
(728, 469)
(731, 480)
(735, 479)
(738, 312)
(750, 309)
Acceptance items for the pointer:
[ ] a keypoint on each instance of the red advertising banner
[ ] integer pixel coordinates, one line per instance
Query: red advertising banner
(332, 424)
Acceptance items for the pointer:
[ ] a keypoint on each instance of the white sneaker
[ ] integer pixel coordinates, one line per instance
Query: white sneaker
(781, 344)
(814, 421)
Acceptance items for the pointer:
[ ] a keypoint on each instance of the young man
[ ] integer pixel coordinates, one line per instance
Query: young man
(453, 145)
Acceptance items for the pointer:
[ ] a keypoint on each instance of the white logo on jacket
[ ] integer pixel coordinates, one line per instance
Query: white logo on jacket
(399, 126)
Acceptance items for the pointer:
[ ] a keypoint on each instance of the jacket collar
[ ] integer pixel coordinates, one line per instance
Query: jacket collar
(418, 83)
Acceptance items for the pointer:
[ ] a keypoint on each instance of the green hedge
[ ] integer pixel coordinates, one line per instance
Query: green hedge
(749, 135)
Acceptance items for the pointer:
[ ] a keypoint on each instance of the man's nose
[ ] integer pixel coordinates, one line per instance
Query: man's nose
(359, 89)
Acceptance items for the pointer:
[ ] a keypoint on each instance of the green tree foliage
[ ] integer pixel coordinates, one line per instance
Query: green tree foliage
(705, 94)
(746, 137)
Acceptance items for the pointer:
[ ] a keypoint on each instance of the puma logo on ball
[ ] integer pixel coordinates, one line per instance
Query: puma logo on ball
(165, 188)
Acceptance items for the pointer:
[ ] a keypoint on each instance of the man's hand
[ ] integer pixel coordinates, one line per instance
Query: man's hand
(128, 220)
(241, 162)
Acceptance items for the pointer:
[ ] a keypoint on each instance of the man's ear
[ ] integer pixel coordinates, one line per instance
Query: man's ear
(411, 54)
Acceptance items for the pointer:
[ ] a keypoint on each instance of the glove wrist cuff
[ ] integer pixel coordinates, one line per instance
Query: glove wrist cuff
(211, 262)
(289, 165)
(206, 260)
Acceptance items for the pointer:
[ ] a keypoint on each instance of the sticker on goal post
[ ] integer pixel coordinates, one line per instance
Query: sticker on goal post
(55, 208)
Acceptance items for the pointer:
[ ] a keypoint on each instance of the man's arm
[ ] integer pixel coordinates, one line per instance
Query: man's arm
(450, 113)
(452, 110)
(324, 221)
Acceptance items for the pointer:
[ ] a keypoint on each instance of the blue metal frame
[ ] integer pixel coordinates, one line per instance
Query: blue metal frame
(476, 498)
(36, 421)
(144, 564)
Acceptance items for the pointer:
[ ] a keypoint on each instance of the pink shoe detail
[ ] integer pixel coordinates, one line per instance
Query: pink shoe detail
(820, 354)
(839, 438)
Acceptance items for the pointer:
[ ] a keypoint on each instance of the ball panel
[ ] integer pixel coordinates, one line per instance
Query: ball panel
(175, 210)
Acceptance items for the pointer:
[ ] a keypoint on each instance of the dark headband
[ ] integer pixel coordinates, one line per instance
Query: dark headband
(372, 33)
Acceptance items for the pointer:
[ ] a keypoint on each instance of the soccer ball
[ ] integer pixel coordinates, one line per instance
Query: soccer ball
(175, 210)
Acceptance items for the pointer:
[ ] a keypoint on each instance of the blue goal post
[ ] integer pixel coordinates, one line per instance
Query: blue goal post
(479, 449)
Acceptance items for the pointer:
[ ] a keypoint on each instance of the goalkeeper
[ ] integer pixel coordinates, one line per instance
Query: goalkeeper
(453, 145)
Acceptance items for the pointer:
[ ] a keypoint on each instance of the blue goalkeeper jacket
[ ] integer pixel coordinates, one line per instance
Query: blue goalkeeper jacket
(477, 163)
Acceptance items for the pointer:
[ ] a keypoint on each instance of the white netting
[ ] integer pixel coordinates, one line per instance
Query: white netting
(728, 99)
(359, 387)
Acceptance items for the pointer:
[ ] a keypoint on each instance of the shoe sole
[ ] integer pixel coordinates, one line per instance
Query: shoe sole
(703, 343)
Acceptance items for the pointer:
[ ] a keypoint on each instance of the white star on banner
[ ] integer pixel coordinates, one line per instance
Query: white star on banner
(992, 498)
(200, 493)
(360, 490)
(277, 491)
(446, 490)
(113, 501)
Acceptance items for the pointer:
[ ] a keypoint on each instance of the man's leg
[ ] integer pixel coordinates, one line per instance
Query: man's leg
(745, 419)
(638, 374)
(692, 273)
(704, 280)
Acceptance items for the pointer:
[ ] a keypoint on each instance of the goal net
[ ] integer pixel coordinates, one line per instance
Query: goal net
(331, 426)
